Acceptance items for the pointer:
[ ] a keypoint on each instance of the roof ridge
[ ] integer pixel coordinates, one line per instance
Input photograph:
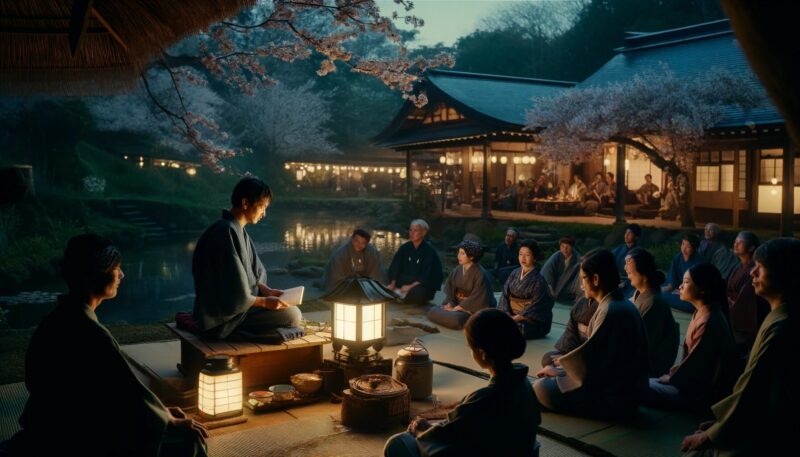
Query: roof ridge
(639, 40)
(464, 74)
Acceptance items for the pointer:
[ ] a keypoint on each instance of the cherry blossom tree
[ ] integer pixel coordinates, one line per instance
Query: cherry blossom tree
(237, 52)
(664, 116)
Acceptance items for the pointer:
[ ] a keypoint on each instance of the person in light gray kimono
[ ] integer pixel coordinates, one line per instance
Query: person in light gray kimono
(232, 299)
(357, 257)
(468, 289)
(561, 271)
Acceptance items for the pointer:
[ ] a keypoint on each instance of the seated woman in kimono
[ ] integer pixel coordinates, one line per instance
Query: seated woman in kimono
(525, 295)
(708, 365)
(74, 364)
(500, 419)
(561, 271)
(468, 289)
(662, 330)
(604, 376)
(756, 419)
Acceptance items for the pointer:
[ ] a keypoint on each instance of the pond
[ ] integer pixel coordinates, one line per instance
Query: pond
(158, 279)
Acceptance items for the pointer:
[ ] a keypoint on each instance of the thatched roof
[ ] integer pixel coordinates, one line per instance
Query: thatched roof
(113, 40)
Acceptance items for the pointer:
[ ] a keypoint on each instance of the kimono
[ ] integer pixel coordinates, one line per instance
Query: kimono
(346, 262)
(759, 417)
(73, 364)
(709, 364)
(471, 289)
(528, 296)
(417, 264)
(747, 310)
(604, 376)
(662, 330)
(576, 331)
(715, 253)
(562, 278)
(507, 258)
(226, 271)
(500, 419)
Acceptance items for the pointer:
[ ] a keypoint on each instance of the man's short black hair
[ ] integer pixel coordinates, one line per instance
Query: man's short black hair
(251, 188)
(362, 233)
(635, 229)
(610, 174)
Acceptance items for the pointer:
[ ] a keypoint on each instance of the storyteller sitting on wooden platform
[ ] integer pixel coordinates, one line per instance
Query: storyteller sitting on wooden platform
(232, 299)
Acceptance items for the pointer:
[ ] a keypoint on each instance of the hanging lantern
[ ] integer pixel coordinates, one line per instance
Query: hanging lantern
(358, 315)
(533, 160)
(494, 159)
(219, 390)
(515, 160)
(442, 160)
(526, 160)
(503, 160)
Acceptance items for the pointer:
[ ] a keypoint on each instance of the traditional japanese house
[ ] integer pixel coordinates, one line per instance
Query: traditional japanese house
(738, 174)
(469, 136)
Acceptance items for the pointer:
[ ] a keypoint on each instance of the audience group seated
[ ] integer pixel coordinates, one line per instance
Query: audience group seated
(619, 349)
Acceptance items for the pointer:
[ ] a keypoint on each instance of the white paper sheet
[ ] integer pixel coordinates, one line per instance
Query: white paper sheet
(293, 296)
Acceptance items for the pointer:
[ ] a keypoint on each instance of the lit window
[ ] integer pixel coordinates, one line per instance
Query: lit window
(707, 178)
(726, 183)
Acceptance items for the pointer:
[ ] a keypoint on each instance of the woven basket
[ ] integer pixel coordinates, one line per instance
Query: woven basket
(388, 407)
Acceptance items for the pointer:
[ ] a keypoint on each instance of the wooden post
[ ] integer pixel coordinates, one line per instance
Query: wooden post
(736, 188)
(485, 209)
(787, 203)
(409, 177)
(619, 205)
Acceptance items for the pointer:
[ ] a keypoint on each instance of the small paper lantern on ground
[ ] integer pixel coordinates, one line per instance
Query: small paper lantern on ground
(358, 315)
(219, 390)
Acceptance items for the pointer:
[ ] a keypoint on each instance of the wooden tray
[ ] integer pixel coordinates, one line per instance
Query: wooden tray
(276, 405)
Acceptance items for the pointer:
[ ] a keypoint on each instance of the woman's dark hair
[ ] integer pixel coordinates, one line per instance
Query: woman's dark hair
(534, 247)
(88, 263)
(251, 188)
(779, 258)
(496, 334)
(693, 239)
(750, 239)
(362, 233)
(601, 262)
(712, 288)
(472, 249)
(635, 228)
(646, 266)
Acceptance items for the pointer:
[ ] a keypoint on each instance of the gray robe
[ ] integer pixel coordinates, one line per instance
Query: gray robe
(474, 285)
(562, 279)
(663, 333)
(611, 366)
(74, 366)
(226, 271)
(346, 262)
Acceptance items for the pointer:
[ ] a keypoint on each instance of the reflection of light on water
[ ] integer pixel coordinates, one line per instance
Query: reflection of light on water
(190, 246)
(312, 237)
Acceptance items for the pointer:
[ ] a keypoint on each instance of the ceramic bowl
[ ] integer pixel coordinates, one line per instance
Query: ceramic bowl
(307, 383)
(261, 396)
(282, 392)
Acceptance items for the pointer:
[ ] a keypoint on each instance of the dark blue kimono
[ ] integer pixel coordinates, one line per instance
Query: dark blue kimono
(420, 264)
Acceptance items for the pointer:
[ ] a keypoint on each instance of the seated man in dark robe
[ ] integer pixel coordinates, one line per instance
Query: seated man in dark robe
(416, 271)
(561, 271)
(232, 299)
(715, 252)
(354, 258)
(747, 310)
(632, 234)
(74, 365)
(506, 256)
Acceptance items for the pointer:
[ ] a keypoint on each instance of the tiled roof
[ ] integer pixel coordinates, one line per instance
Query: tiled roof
(504, 98)
(687, 52)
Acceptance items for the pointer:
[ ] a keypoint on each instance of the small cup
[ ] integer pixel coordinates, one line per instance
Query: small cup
(282, 392)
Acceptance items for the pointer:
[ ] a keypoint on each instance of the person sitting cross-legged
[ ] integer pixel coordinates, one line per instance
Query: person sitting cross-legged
(416, 271)
(467, 290)
(498, 420)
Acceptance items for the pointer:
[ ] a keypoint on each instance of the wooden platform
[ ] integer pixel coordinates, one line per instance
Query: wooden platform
(261, 364)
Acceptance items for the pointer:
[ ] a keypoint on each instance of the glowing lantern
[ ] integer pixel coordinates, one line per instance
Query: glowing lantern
(516, 160)
(442, 160)
(219, 390)
(503, 160)
(358, 315)
(494, 159)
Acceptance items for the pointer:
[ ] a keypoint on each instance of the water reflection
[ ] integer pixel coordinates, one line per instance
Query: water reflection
(158, 279)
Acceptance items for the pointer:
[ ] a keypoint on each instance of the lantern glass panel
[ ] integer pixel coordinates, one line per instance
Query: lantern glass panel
(219, 394)
(371, 322)
(344, 325)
